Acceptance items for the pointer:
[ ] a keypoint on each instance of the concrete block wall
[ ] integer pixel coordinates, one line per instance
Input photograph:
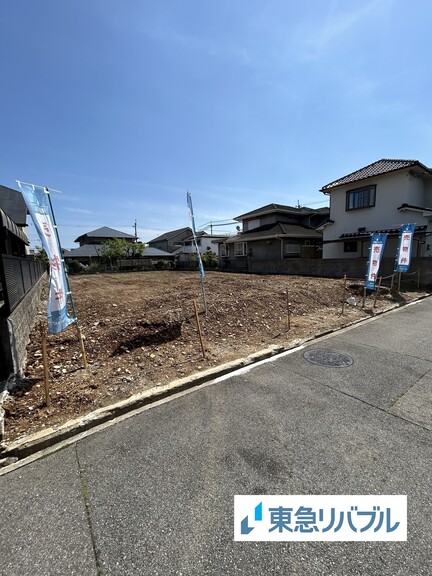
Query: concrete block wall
(332, 268)
(15, 330)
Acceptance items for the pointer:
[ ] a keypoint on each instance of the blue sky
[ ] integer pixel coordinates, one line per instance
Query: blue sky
(123, 105)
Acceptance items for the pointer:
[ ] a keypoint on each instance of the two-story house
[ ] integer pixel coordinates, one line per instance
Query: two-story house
(274, 232)
(90, 244)
(379, 198)
(170, 241)
(204, 241)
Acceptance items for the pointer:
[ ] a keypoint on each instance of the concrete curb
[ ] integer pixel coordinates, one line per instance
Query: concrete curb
(47, 438)
(50, 436)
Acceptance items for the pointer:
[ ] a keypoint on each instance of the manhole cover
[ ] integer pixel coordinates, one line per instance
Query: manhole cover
(331, 358)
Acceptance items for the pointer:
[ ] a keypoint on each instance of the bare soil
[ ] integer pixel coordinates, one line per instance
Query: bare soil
(140, 331)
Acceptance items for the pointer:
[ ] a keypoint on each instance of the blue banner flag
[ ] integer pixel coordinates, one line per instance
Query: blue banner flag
(378, 242)
(192, 219)
(403, 258)
(39, 206)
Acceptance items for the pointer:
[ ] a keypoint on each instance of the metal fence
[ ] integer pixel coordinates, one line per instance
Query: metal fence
(17, 276)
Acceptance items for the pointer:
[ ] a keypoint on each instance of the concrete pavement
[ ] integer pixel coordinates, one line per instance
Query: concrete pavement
(153, 494)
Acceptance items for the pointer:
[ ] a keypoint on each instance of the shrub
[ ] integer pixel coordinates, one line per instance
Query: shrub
(74, 267)
(209, 259)
(93, 268)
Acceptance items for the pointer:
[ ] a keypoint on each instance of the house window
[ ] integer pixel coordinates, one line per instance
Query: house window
(350, 246)
(360, 197)
(240, 249)
(224, 250)
(251, 224)
(292, 249)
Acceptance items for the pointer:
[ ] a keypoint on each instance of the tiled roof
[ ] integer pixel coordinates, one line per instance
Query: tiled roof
(412, 207)
(172, 234)
(390, 231)
(85, 251)
(205, 236)
(6, 222)
(150, 252)
(12, 202)
(375, 169)
(269, 208)
(279, 230)
(93, 250)
(106, 233)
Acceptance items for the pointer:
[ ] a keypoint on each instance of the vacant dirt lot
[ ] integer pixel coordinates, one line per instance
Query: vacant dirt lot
(140, 331)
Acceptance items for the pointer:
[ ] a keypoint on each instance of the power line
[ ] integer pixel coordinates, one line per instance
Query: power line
(87, 225)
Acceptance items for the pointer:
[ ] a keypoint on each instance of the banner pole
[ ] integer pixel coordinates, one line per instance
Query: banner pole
(43, 334)
(69, 292)
(377, 292)
(201, 277)
(199, 329)
(288, 310)
(200, 264)
(344, 294)
(395, 267)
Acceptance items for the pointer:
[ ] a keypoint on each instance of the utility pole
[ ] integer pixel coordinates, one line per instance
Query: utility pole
(135, 226)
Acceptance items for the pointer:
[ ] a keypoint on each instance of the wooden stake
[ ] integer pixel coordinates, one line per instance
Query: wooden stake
(199, 329)
(418, 279)
(344, 294)
(81, 341)
(288, 310)
(377, 292)
(43, 333)
(399, 281)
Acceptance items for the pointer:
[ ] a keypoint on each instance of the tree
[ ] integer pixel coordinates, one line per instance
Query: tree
(118, 248)
(135, 249)
(40, 254)
(114, 249)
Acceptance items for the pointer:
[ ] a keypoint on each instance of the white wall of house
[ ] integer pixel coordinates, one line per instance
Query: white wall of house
(392, 190)
(203, 242)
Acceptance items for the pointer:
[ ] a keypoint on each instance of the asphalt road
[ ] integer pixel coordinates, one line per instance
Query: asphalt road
(153, 494)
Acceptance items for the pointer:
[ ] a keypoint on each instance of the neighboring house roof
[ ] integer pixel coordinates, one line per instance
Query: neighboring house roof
(13, 204)
(201, 234)
(414, 208)
(150, 252)
(6, 222)
(280, 230)
(93, 250)
(270, 208)
(377, 168)
(105, 232)
(390, 231)
(84, 251)
(172, 234)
